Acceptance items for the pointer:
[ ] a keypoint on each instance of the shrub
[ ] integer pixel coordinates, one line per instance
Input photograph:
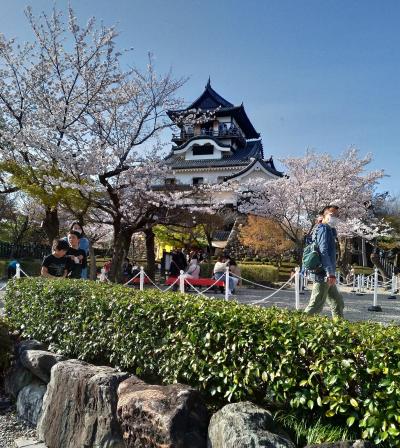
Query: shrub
(5, 347)
(337, 371)
(264, 274)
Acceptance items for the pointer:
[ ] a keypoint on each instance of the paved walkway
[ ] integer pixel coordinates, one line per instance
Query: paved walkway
(356, 307)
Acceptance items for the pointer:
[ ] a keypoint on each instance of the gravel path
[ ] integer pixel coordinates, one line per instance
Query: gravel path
(10, 427)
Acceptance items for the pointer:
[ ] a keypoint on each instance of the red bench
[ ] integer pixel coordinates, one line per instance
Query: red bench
(206, 282)
(136, 281)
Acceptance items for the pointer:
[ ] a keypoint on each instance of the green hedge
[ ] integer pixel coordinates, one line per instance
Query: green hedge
(339, 371)
(5, 347)
(263, 274)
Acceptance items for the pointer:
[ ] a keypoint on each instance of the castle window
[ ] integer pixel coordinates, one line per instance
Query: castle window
(204, 150)
(198, 180)
(170, 181)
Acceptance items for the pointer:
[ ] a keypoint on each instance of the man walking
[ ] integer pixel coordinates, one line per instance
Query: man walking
(324, 288)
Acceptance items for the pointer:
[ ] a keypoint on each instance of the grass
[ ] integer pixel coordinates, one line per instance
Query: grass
(303, 431)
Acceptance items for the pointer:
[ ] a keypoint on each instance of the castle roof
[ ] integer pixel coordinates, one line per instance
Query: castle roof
(211, 101)
(240, 157)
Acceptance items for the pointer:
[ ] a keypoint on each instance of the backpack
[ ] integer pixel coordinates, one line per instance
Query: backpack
(311, 256)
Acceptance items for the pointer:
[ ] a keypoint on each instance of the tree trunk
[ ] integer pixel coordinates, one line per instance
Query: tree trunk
(150, 253)
(233, 243)
(93, 267)
(377, 263)
(344, 259)
(51, 224)
(364, 252)
(122, 241)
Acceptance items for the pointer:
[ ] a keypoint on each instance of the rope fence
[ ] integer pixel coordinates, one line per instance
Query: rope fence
(361, 285)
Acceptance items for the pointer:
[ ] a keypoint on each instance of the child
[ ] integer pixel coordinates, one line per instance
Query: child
(56, 265)
(76, 255)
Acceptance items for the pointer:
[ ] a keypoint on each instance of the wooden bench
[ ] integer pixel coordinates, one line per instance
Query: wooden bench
(202, 282)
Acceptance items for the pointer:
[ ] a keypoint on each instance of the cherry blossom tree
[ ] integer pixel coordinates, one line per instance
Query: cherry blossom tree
(46, 88)
(310, 183)
(81, 132)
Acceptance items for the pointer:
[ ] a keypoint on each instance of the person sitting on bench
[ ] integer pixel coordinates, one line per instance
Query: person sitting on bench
(193, 270)
(220, 270)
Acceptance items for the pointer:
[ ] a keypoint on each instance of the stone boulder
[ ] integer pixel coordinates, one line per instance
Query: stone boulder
(245, 425)
(16, 378)
(154, 416)
(29, 402)
(40, 362)
(30, 344)
(344, 444)
(79, 407)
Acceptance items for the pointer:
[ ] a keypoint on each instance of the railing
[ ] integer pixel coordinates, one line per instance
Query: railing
(30, 250)
(387, 265)
(231, 132)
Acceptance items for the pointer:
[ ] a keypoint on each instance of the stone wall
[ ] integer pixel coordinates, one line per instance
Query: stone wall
(74, 404)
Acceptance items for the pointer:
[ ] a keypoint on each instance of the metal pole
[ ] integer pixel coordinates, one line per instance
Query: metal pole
(392, 295)
(297, 287)
(182, 282)
(141, 278)
(375, 306)
(227, 292)
(18, 270)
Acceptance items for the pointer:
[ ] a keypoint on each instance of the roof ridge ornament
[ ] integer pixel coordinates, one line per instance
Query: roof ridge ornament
(208, 82)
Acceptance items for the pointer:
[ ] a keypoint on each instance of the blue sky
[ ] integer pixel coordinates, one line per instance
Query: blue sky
(321, 74)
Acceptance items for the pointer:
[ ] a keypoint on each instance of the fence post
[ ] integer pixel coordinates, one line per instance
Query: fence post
(227, 292)
(18, 270)
(375, 306)
(392, 295)
(141, 278)
(363, 284)
(182, 282)
(297, 287)
(354, 284)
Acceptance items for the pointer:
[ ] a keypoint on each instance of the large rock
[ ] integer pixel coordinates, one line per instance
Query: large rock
(16, 378)
(40, 362)
(245, 425)
(79, 408)
(30, 344)
(344, 444)
(161, 416)
(29, 402)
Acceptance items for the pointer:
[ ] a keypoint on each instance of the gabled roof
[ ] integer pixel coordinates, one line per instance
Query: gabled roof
(240, 157)
(267, 165)
(211, 101)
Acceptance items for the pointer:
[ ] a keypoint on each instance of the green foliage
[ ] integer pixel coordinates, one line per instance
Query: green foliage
(177, 236)
(263, 274)
(33, 182)
(306, 432)
(337, 371)
(5, 347)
